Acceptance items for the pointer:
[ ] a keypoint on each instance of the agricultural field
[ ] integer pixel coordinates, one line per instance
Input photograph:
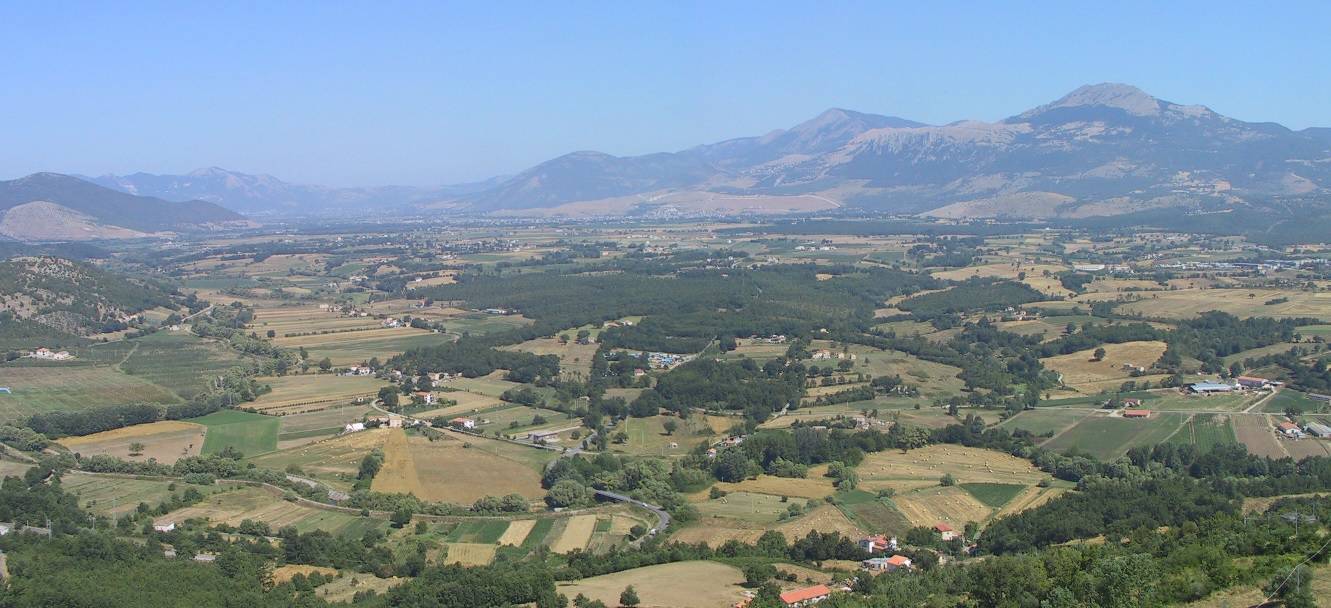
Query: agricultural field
(994, 495)
(1206, 431)
(296, 429)
(709, 585)
(492, 385)
(924, 467)
(1258, 434)
(38, 389)
(1184, 303)
(576, 533)
(746, 506)
(647, 436)
(467, 404)
(469, 554)
(872, 513)
(453, 469)
(116, 496)
(715, 531)
(1080, 372)
(311, 392)
(815, 486)
(1033, 275)
(934, 380)
(179, 361)
(573, 357)
(262, 504)
(252, 434)
(757, 350)
(1106, 437)
(334, 461)
(1043, 421)
(1175, 401)
(165, 442)
(1287, 399)
(951, 505)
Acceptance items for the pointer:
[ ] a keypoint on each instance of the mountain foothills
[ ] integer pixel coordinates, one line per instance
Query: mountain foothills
(1101, 150)
(75, 298)
(50, 206)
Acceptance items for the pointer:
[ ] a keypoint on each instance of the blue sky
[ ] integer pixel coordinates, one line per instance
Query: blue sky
(430, 93)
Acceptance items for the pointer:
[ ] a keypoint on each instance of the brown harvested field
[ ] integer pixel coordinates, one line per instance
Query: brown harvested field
(952, 505)
(892, 469)
(695, 584)
(345, 589)
(447, 279)
(824, 518)
(398, 474)
(1080, 371)
(284, 574)
(714, 535)
(1030, 498)
(1184, 303)
(812, 487)
(716, 531)
(517, 532)
(470, 554)
(1304, 448)
(447, 470)
(166, 441)
(577, 533)
(1260, 504)
(572, 356)
(1259, 435)
(311, 392)
(1034, 275)
(366, 335)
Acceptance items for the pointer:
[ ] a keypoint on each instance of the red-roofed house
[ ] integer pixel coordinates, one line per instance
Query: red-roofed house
(946, 532)
(1252, 382)
(1136, 413)
(1291, 430)
(806, 596)
(463, 423)
(876, 543)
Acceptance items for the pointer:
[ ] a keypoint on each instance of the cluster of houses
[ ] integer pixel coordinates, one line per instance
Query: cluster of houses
(664, 360)
(772, 339)
(50, 355)
(826, 355)
(1240, 383)
(392, 421)
(1292, 430)
(1110, 268)
(348, 310)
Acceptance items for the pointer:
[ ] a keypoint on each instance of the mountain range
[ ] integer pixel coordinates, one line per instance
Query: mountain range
(55, 207)
(1101, 150)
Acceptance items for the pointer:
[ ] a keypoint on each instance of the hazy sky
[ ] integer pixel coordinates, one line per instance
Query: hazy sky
(430, 93)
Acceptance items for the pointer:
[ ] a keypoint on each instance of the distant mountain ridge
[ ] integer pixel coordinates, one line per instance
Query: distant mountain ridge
(264, 194)
(51, 206)
(1100, 150)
